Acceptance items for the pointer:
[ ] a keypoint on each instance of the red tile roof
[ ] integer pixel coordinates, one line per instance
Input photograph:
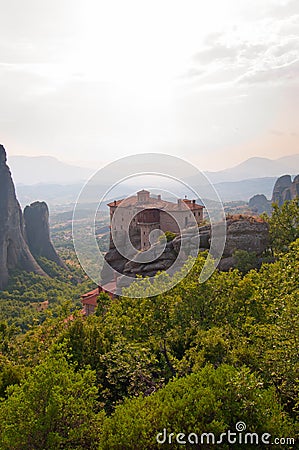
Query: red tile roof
(91, 293)
(154, 203)
(192, 205)
(90, 298)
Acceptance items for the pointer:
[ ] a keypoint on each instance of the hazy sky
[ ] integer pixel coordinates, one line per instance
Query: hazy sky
(212, 81)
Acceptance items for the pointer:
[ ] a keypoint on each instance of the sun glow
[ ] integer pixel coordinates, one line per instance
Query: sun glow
(144, 46)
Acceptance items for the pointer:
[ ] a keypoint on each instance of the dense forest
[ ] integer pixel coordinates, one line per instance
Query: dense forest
(195, 361)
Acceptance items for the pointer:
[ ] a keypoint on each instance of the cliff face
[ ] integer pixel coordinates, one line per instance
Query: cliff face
(285, 189)
(14, 251)
(246, 233)
(36, 219)
(243, 233)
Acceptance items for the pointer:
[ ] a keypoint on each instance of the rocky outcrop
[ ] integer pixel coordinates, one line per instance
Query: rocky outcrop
(285, 189)
(246, 233)
(37, 232)
(164, 262)
(243, 233)
(14, 251)
(115, 262)
(259, 204)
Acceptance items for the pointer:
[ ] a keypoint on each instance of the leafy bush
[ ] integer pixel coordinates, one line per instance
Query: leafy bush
(245, 261)
(55, 407)
(169, 236)
(210, 401)
(284, 225)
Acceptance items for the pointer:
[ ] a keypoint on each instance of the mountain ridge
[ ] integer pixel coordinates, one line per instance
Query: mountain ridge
(257, 167)
(31, 170)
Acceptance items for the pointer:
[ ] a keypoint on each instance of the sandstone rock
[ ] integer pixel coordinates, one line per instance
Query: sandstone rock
(226, 263)
(14, 251)
(260, 204)
(281, 188)
(294, 189)
(243, 233)
(176, 244)
(204, 239)
(114, 262)
(246, 234)
(36, 218)
(163, 262)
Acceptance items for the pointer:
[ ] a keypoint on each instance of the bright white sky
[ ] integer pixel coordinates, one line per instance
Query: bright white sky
(89, 81)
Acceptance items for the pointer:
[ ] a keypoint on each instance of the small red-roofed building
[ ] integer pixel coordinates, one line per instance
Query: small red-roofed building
(89, 300)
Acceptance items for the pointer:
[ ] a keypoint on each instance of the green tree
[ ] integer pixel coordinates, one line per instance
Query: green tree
(245, 261)
(54, 407)
(103, 302)
(210, 401)
(169, 236)
(284, 225)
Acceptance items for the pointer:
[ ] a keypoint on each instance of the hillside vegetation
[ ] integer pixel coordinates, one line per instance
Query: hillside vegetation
(197, 359)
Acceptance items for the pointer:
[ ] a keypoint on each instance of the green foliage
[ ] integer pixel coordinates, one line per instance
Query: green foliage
(54, 407)
(284, 225)
(22, 303)
(56, 272)
(198, 357)
(103, 302)
(169, 236)
(10, 374)
(245, 261)
(210, 401)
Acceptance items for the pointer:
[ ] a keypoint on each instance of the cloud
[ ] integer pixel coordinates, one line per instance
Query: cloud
(192, 73)
(283, 9)
(212, 38)
(278, 74)
(216, 52)
(263, 51)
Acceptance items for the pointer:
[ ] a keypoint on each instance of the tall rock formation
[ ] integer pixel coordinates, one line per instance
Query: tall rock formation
(14, 251)
(285, 189)
(260, 204)
(36, 218)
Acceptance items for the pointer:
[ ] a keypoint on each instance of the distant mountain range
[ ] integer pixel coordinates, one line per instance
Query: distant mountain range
(245, 189)
(57, 182)
(257, 168)
(31, 170)
(55, 194)
(49, 170)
